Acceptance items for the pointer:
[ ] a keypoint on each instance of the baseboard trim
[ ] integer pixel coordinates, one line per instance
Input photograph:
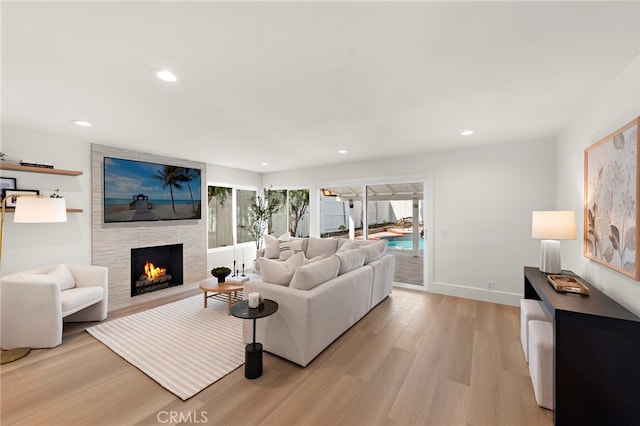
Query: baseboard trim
(493, 296)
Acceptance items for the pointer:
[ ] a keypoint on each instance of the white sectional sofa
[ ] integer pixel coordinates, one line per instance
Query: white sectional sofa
(318, 299)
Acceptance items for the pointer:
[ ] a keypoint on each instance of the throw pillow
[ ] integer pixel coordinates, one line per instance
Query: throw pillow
(63, 273)
(374, 251)
(276, 272)
(318, 246)
(272, 245)
(289, 248)
(350, 260)
(311, 275)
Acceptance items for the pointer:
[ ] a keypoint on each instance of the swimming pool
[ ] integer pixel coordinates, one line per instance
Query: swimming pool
(404, 242)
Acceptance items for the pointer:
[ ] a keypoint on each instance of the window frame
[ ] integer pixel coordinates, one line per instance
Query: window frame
(234, 216)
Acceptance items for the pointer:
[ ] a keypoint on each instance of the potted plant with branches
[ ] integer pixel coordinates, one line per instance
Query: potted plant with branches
(259, 213)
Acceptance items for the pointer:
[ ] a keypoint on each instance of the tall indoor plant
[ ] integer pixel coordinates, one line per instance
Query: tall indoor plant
(259, 213)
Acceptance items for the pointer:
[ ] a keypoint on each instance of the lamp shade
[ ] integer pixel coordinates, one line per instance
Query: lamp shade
(553, 225)
(40, 210)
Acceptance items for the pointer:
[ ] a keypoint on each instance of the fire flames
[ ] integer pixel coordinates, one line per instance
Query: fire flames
(152, 272)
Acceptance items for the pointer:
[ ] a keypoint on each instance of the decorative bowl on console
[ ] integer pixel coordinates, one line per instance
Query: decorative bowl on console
(220, 273)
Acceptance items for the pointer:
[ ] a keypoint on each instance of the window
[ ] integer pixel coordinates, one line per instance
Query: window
(339, 213)
(298, 201)
(293, 216)
(245, 199)
(220, 217)
(278, 220)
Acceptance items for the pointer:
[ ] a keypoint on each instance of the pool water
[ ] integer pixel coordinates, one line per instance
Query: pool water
(403, 243)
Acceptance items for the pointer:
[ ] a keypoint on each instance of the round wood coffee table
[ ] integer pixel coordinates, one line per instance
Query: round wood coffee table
(229, 287)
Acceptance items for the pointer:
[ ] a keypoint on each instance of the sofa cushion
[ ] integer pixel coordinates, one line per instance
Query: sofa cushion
(373, 251)
(80, 297)
(318, 246)
(314, 259)
(313, 274)
(348, 245)
(305, 242)
(289, 248)
(272, 245)
(350, 260)
(276, 272)
(64, 275)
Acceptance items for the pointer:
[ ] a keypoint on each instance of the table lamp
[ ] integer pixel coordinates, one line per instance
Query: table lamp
(551, 226)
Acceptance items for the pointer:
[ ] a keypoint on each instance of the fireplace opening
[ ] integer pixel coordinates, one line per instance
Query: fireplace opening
(155, 268)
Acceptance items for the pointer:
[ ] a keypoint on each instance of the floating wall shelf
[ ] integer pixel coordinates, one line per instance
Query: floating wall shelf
(45, 170)
(19, 168)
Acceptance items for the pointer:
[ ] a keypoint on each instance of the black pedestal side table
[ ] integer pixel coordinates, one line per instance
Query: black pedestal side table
(253, 351)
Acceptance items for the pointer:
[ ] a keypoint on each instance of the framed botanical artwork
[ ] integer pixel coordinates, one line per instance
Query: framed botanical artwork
(11, 202)
(611, 216)
(7, 183)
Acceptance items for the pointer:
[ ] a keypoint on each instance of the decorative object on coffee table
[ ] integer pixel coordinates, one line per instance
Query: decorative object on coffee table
(253, 351)
(221, 273)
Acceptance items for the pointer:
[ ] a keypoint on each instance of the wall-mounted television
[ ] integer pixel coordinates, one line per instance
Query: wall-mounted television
(139, 191)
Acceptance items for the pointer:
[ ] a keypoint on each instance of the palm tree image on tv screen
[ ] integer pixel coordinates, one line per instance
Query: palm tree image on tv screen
(136, 191)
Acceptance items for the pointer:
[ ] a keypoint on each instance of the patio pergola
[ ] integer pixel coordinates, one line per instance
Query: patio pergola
(410, 191)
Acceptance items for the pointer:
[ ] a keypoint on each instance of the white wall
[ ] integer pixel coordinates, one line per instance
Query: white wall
(31, 245)
(616, 105)
(481, 201)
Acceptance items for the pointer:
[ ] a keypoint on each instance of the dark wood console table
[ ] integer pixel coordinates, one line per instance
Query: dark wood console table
(596, 355)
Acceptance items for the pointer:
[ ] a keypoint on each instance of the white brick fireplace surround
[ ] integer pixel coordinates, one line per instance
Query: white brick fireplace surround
(112, 242)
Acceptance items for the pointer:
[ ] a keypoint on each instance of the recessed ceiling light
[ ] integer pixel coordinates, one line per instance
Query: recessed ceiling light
(342, 151)
(466, 132)
(264, 164)
(81, 123)
(166, 75)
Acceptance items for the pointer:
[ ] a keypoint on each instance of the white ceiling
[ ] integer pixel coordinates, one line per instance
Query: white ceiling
(290, 83)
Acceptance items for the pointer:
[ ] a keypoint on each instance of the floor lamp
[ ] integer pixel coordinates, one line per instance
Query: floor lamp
(551, 226)
(30, 208)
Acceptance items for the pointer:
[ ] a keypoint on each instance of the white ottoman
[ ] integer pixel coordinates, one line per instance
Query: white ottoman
(541, 361)
(530, 309)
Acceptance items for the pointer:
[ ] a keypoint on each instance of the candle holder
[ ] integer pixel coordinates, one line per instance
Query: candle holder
(235, 271)
(243, 275)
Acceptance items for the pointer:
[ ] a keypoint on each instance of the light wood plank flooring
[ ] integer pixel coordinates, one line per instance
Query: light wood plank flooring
(416, 359)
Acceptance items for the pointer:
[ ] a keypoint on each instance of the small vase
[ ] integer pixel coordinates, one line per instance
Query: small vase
(222, 279)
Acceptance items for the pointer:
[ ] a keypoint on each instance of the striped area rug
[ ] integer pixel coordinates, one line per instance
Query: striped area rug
(182, 346)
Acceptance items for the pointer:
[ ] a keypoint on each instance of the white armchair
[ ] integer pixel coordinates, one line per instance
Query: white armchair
(34, 303)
